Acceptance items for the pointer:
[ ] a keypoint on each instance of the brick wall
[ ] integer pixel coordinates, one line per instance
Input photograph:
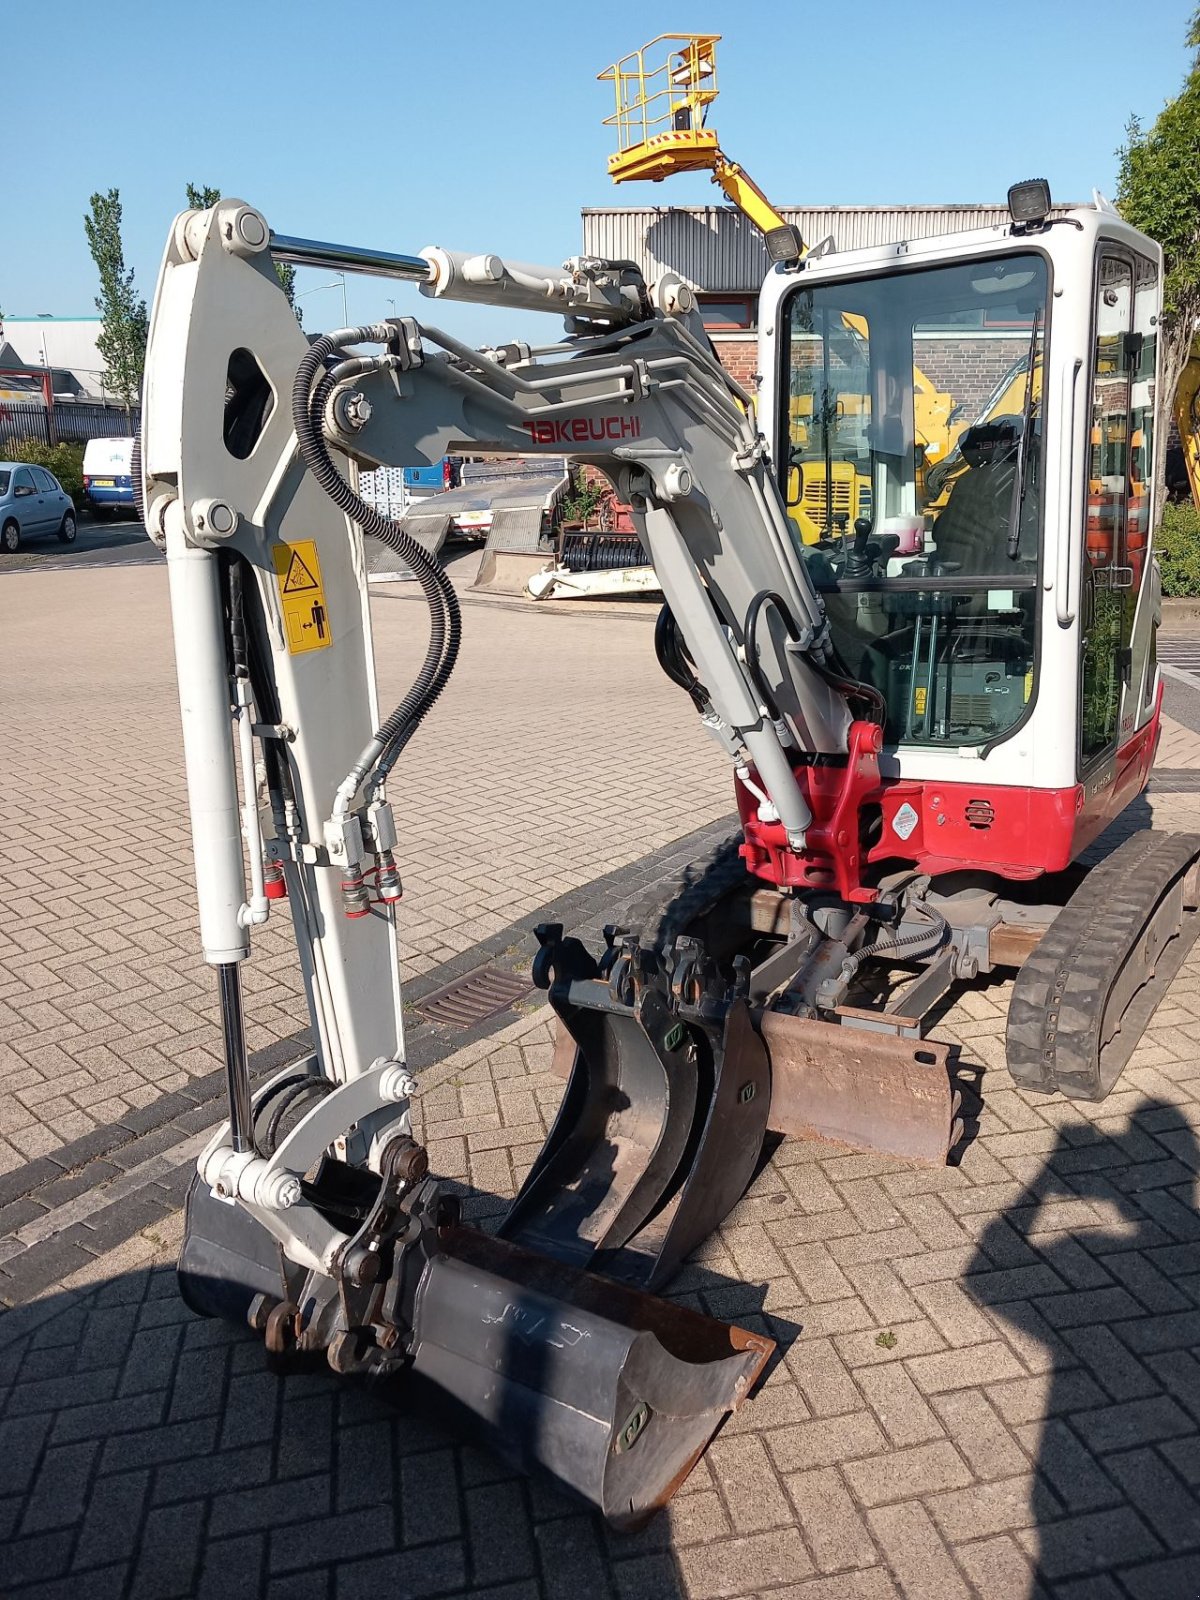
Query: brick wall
(969, 369)
(739, 357)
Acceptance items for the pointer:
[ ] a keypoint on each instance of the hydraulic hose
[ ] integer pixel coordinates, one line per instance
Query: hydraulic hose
(445, 630)
(445, 617)
(905, 948)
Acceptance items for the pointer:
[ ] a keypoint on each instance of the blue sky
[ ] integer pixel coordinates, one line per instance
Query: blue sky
(477, 125)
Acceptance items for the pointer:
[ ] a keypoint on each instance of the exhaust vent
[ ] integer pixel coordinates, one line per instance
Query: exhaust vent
(980, 813)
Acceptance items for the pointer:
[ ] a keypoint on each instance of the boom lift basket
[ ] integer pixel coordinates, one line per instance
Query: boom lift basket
(663, 92)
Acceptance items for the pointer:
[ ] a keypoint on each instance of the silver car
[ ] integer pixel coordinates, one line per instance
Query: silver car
(32, 502)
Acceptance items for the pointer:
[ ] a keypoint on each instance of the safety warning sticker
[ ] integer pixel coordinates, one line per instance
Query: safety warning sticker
(301, 596)
(905, 820)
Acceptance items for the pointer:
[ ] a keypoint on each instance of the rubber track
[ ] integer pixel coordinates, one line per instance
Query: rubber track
(1058, 1001)
(659, 917)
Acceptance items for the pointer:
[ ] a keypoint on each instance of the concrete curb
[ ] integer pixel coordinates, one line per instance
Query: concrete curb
(1181, 615)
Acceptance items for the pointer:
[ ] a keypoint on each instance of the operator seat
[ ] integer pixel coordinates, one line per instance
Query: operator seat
(972, 531)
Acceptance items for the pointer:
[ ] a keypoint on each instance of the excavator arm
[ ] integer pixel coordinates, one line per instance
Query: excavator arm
(313, 1215)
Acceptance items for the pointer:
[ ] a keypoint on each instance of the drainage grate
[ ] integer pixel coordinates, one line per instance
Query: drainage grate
(474, 997)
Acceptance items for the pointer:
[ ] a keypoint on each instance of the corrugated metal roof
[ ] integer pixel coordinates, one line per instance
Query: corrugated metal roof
(68, 344)
(719, 250)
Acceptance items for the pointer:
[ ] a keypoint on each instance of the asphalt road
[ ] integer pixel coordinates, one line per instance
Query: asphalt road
(96, 544)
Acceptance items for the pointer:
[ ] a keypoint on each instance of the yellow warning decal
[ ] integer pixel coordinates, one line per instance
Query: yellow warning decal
(919, 700)
(1028, 685)
(301, 596)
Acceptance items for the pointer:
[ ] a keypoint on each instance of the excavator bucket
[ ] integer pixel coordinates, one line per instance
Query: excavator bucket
(614, 1392)
(666, 1108)
(662, 1123)
(611, 1391)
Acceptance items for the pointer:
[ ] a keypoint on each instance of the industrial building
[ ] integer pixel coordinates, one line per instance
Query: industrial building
(721, 253)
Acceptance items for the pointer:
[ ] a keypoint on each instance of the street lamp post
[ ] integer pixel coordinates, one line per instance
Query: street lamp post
(338, 282)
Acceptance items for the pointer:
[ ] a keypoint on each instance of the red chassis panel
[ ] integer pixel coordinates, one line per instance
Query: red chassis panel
(940, 827)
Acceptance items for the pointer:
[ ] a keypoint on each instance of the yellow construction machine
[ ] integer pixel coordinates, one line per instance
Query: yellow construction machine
(1187, 419)
(663, 95)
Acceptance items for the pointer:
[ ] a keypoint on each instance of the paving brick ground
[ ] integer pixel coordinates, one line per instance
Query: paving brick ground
(1178, 748)
(987, 1382)
(558, 752)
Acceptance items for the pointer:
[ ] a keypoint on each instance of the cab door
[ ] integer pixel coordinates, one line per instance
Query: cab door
(1106, 591)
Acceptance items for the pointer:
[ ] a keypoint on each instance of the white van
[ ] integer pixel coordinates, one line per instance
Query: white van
(107, 481)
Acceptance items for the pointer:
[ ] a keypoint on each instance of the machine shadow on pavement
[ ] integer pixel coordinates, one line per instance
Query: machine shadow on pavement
(1104, 1314)
(149, 1452)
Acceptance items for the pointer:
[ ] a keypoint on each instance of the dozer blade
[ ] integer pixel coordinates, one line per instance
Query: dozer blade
(613, 1392)
(872, 1091)
(658, 1132)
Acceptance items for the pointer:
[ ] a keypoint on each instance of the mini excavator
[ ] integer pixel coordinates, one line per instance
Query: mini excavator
(930, 717)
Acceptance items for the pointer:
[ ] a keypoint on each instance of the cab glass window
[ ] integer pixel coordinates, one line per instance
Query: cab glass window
(912, 473)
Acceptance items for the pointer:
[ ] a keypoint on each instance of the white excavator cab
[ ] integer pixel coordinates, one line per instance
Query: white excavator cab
(1001, 599)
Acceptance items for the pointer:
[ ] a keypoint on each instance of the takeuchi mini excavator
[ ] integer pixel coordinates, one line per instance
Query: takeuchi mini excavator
(928, 720)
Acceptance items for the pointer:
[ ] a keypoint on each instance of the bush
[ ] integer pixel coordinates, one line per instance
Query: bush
(583, 499)
(65, 461)
(1178, 549)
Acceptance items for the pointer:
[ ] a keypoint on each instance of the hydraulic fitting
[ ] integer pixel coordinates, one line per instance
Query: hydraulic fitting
(351, 411)
(396, 1082)
(274, 883)
(356, 897)
(390, 887)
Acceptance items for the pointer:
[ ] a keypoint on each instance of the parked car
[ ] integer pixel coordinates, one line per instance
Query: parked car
(106, 477)
(32, 502)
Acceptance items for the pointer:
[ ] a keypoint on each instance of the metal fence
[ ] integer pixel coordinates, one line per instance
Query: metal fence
(70, 424)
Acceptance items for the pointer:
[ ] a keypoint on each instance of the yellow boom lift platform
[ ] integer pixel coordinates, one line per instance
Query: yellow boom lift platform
(663, 95)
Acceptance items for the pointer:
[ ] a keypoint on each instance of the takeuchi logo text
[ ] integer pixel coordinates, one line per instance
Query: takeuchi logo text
(583, 430)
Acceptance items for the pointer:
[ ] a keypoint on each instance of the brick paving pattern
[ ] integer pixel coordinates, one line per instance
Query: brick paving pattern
(1178, 748)
(558, 752)
(987, 1382)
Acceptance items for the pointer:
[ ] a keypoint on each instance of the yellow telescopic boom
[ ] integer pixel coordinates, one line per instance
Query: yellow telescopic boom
(663, 92)
(663, 95)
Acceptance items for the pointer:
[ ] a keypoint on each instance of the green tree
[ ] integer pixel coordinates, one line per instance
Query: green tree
(122, 341)
(1159, 192)
(199, 199)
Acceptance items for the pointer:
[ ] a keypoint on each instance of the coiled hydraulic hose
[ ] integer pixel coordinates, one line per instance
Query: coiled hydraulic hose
(445, 626)
(903, 948)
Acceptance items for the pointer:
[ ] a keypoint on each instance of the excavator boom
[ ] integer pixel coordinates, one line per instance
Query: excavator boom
(312, 1215)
